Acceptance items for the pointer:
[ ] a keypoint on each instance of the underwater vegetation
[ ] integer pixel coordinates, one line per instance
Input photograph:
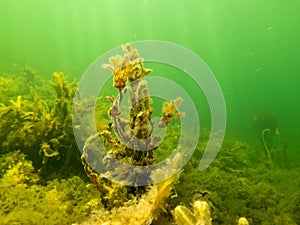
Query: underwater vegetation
(273, 145)
(134, 203)
(40, 128)
(44, 179)
(236, 186)
(27, 200)
(201, 214)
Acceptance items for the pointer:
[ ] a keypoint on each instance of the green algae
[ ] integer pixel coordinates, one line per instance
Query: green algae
(36, 124)
(39, 127)
(25, 200)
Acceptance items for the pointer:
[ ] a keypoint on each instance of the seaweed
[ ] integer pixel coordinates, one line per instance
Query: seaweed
(38, 128)
(41, 172)
(275, 149)
(25, 201)
(235, 186)
(295, 206)
(145, 208)
(130, 141)
(201, 214)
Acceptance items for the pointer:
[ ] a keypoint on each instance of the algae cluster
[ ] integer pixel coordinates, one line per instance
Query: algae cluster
(238, 184)
(126, 196)
(42, 179)
(39, 127)
(40, 168)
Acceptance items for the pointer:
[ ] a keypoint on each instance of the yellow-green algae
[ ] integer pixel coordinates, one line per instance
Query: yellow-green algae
(35, 190)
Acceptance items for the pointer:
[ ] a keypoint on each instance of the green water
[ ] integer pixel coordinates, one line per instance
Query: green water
(252, 46)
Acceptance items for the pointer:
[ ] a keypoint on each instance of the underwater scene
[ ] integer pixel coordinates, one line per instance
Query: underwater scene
(147, 112)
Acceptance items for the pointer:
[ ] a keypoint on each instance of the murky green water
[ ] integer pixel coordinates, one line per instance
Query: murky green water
(251, 46)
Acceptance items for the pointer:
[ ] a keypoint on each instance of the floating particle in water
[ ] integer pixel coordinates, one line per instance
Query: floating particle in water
(269, 29)
(258, 69)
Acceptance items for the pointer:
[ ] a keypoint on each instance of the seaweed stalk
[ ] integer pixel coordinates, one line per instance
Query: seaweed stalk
(265, 143)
